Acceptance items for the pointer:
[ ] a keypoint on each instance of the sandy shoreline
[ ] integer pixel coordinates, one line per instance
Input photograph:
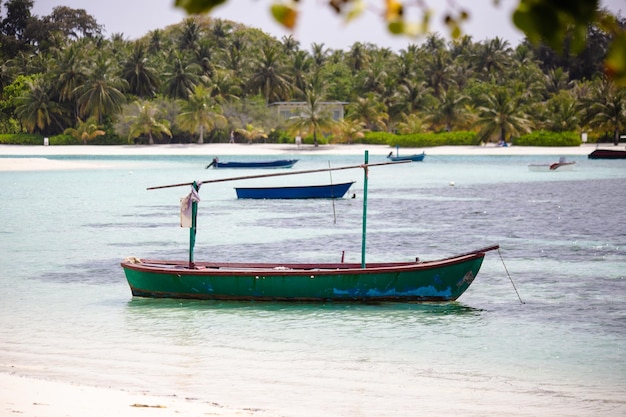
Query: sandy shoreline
(30, 158)
(37, 397)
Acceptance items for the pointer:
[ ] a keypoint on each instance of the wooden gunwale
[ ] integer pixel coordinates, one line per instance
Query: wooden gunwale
(278, 269)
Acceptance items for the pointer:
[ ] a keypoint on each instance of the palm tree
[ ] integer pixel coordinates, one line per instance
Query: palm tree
(198, 113)
(252, 133)
(85, 131)
(269, 75)
(368, 110)
(610, 114)
(502, 116)
(412, 96)
(375, 77)
(101, 95)
(155, 41)
(36, 110)
(492, 56)
(358, 57)
(462, 47)
(319, 54)
(181, 78)
(146, 121)
(69, 73)
(405, 66)
(347, 130)
(234, 59)
(300, 68)
(142, 79)
(438, 71)
(556, 80)
(204, 58)
(450, 111)
(412, 123)
(313, 118)
(190, 35)
(290, 44)
(434, 43)
(561, 114)
(223, 86)
(220, 31)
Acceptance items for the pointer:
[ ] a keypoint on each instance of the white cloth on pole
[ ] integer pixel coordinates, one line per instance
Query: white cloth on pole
(186, 215)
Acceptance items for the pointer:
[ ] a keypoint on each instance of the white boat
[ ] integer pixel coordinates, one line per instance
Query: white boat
(562, 165)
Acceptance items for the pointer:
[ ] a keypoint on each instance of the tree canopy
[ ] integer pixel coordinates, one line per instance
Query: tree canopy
(558, 24)
(205, 77)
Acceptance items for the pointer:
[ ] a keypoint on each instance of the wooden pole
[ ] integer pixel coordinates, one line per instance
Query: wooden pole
(192, 230)
(365, 167)
(278, 174)
(332, 194)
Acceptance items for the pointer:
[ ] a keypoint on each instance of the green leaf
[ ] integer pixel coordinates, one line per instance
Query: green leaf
(285, 15)
(615, 63)
(396, 27)
(551, 21)
(198, 6)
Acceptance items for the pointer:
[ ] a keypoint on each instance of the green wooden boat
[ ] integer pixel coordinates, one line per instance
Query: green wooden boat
(441, 280)
(413, 281)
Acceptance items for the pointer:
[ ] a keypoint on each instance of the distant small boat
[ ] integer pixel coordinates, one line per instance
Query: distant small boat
(415, 157)
(278, 163)
(295, 192)
(562, 165)
(608, 154)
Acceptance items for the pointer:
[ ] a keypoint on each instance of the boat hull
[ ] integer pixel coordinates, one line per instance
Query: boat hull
(414, 158)
(297, 192)
(442, 280)
(281, 163)
(607, 154)
(557, 166)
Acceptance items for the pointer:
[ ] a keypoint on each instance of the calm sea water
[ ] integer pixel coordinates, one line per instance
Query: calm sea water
(66, 312)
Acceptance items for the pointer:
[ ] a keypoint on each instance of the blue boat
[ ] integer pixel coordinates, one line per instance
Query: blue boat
(278, 163)
(295, 192)
(415, 157)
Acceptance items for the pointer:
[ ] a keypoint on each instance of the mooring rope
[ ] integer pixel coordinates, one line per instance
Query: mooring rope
(509, 275)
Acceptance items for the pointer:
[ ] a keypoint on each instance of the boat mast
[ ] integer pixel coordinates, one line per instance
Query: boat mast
(192, 230)
(365, 167)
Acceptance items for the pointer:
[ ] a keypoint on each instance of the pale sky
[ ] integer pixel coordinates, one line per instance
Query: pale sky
(317, 24)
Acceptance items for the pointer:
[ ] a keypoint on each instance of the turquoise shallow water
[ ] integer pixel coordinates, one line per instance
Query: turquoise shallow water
(66, 312)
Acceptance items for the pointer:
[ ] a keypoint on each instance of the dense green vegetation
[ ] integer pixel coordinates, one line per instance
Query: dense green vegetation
(562, 25)
(204, 78)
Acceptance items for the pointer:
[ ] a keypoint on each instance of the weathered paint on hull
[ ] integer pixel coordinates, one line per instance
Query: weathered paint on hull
(429, 281)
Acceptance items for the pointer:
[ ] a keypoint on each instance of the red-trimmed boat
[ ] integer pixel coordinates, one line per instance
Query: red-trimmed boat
(561, 165)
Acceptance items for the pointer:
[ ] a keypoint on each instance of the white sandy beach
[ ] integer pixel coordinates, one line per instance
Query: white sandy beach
(29, 158)
(32, 397)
